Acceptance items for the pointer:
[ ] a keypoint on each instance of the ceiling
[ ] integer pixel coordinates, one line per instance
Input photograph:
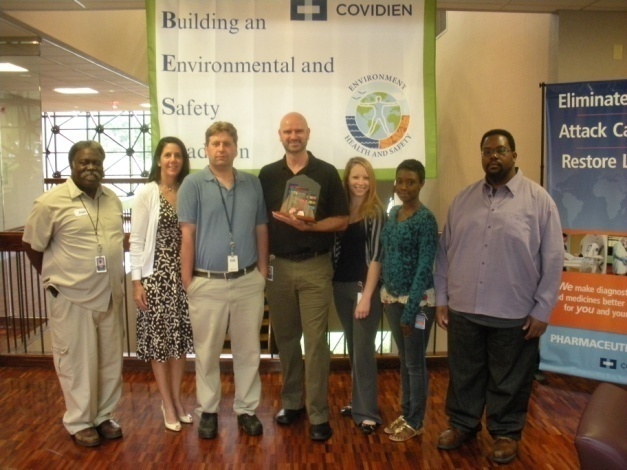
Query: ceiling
(536, 6)
(61, 66)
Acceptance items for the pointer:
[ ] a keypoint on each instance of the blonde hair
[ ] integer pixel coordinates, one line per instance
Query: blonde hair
(371, 205)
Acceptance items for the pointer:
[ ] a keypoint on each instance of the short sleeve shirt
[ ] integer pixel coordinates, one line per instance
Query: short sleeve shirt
(286, 240)
(62, 226)
(205, 203)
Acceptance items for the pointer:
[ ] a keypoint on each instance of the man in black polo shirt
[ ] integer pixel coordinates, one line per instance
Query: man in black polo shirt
(299, 290)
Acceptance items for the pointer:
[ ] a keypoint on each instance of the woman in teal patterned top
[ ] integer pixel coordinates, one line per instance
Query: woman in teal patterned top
(409, 241)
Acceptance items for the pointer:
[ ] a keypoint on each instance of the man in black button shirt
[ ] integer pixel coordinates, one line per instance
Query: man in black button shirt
(299, 290)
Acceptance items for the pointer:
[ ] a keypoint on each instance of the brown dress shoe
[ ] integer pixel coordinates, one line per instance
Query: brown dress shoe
(452, 438)
(109, 429)
(504, 450)
(87, 437)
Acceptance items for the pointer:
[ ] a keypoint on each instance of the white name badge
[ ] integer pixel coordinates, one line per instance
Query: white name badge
(101, 264)
(80, 212)
(421, 321)
(232, 263)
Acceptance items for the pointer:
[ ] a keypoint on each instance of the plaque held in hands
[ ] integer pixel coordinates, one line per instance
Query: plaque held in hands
(300, 198)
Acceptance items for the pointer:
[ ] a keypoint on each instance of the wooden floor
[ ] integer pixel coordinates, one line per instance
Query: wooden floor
(32, 436)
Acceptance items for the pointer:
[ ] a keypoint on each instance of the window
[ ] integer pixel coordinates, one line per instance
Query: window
(125, 137)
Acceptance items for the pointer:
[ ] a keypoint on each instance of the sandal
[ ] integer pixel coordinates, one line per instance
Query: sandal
(405, 432)
(397, 423)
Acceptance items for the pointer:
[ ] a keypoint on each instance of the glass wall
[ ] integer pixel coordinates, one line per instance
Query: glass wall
(20, 131)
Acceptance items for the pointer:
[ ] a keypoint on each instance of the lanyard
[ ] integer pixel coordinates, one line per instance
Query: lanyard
(94, 225)
(226, 212)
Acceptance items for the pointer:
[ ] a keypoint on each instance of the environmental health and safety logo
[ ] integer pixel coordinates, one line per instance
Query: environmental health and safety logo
(308, 10)
(377, 115)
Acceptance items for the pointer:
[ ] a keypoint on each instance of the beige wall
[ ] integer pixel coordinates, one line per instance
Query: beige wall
(488, 68)
(586, 46)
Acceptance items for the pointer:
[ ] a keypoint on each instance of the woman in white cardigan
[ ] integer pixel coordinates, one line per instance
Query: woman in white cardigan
(164, 335)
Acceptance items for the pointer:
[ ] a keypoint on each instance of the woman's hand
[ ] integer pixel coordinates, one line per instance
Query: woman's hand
(363, 308)
(139, 295)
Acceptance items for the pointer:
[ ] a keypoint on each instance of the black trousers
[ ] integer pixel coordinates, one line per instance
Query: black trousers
(491, 369)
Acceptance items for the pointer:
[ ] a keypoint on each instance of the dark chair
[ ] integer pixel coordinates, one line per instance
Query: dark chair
(601, 438)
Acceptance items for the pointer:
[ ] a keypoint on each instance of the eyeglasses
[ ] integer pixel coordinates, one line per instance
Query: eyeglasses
(500, 151)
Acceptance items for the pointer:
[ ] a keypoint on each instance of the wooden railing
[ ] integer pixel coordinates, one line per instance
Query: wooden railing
(24, 314)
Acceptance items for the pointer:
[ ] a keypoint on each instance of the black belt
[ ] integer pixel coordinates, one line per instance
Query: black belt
(303, 256)
(226, 275)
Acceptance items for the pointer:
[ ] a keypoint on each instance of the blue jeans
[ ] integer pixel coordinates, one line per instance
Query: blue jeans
(411, 351)
(490, 368)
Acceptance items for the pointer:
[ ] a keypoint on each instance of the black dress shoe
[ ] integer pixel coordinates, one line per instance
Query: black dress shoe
(320, 432)
(347, 411)
(208, 426)
(109, 429)
(250, 424)
(286, 416)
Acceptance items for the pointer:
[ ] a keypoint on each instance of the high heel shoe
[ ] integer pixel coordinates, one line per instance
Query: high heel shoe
(186, 419)
(176, 427)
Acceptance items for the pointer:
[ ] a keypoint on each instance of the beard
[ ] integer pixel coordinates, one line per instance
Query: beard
(498, 174)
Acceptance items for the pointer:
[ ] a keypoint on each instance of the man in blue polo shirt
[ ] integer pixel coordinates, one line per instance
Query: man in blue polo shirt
(224, 262)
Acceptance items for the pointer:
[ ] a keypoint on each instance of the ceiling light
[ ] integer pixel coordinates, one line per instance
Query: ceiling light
(76, 91)
(145, 105)
(9, 67)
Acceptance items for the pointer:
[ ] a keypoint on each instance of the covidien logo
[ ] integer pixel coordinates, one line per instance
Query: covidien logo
(607, 363)
(308, 10)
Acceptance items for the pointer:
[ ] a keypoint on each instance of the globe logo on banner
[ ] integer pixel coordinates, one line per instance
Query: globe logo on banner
(377, 115)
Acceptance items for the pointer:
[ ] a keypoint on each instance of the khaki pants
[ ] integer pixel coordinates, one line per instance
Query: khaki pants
(87, 348)
(299, 298)
(214, 305)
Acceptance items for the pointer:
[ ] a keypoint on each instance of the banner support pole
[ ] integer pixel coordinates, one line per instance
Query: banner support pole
(542, 85)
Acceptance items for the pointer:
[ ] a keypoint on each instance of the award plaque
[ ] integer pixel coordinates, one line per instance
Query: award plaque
(300, 198)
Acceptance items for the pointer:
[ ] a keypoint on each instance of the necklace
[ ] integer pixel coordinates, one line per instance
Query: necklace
(169, 188)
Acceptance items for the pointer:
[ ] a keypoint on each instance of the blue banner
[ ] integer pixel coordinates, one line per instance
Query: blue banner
(587, 154)
(587, 177)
